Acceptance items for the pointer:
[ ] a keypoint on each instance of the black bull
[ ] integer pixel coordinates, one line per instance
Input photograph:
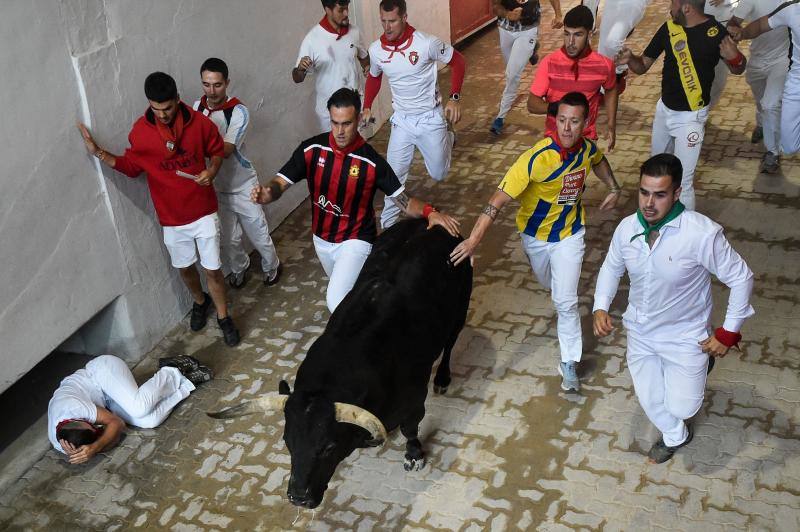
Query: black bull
(368, 372)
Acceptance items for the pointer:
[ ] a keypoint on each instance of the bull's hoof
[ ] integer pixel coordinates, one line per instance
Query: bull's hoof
(439, 389)
(414, 464)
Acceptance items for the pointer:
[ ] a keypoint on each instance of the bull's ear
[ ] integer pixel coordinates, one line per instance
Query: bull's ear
(283, 388)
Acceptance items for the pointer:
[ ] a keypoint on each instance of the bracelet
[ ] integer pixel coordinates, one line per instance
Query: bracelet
(727, 338)
(736, 61)
(427, 210)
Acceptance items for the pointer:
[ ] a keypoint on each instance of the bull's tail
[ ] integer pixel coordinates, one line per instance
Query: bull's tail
(261, 405)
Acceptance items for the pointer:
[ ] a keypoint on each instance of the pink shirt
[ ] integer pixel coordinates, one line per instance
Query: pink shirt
(556, 76)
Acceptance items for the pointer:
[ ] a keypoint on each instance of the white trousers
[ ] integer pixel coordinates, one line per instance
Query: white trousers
(145, 406)
(517, 48)
(790, 114)
(720, 79)
(426, 131)
(238, 215)
(342, 263)
(766, 82)
(670, 379)
(557, 267)
(619, 19)
(680, 133)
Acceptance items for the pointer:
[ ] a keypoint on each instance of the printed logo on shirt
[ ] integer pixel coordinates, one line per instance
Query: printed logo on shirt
(328, 206)
(713, 31)
(443, 50)
(680, 45)
(413, 57)
(572, 188)
(354, 171)
(321, 162)
(693, 138)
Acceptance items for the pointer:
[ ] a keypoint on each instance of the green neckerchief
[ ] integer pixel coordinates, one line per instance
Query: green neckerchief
(674, 212)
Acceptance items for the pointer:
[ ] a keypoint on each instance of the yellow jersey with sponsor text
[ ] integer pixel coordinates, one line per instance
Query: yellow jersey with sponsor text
(550, 188)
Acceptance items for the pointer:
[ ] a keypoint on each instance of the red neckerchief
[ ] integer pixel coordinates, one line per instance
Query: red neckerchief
(171, 135)
(65, 421)
(327, 26)
(585, 52)
(229, 103)
(395, 46)
(566, 152)
(350, 148)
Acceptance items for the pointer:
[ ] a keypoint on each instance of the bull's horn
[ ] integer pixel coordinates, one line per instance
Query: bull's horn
(265, 403)
(355, 415)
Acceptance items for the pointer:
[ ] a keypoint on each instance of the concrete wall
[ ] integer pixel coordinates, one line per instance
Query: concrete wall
(84, 266)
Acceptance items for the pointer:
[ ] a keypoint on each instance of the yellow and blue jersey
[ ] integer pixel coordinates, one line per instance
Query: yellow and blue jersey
(550, 189)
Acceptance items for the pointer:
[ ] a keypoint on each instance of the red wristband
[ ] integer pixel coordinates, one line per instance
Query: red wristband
(427, 210)
(736, 61)
(727, 338)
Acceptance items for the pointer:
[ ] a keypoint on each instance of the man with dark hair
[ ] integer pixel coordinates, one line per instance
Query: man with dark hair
(693, 44)
(171, 143)
(329, 52)
(575, 67)
(787, 15)
(235, 179)
(549, 180)
(343, 174)
(669, 254)
(518, 28)
(88, 412)
(408, 58)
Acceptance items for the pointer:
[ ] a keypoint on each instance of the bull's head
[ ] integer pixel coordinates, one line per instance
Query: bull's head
(319, 434)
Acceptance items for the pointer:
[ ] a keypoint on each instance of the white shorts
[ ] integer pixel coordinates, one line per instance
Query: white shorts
(184, 241)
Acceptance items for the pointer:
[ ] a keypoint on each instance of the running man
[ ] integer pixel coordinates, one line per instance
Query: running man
(549, 180)
(670, 254)
(343, 174)
(408, 58)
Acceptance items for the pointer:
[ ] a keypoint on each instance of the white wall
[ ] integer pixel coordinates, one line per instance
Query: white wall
(83, 262)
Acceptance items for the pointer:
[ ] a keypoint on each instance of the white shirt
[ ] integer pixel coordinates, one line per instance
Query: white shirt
(411, 71)
(789, 16)
(77, 397)
(333, 61)
(721, 12)
(237, 172)
(670, 284)
(770, 47)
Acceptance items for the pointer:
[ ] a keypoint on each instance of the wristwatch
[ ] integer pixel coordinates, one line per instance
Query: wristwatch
(455, 96)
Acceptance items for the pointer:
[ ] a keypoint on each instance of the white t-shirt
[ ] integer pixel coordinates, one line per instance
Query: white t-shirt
(237, 172)
(333, 61)
(789, 16)
(770, 47)
(411, 70)
(77, 397)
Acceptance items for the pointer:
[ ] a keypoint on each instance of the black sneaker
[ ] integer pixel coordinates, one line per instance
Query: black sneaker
(272, 280)
(660, 452)
(184, 363)
(199, 375)
(229, 331)
(200, 313)
(535, 55)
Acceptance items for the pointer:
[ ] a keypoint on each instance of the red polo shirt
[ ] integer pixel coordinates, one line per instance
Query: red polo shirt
(558, 74)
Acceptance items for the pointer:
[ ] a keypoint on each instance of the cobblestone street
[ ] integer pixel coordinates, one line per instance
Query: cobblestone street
(506, 448)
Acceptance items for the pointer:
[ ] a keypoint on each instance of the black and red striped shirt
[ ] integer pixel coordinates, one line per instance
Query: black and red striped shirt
(341, 183)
